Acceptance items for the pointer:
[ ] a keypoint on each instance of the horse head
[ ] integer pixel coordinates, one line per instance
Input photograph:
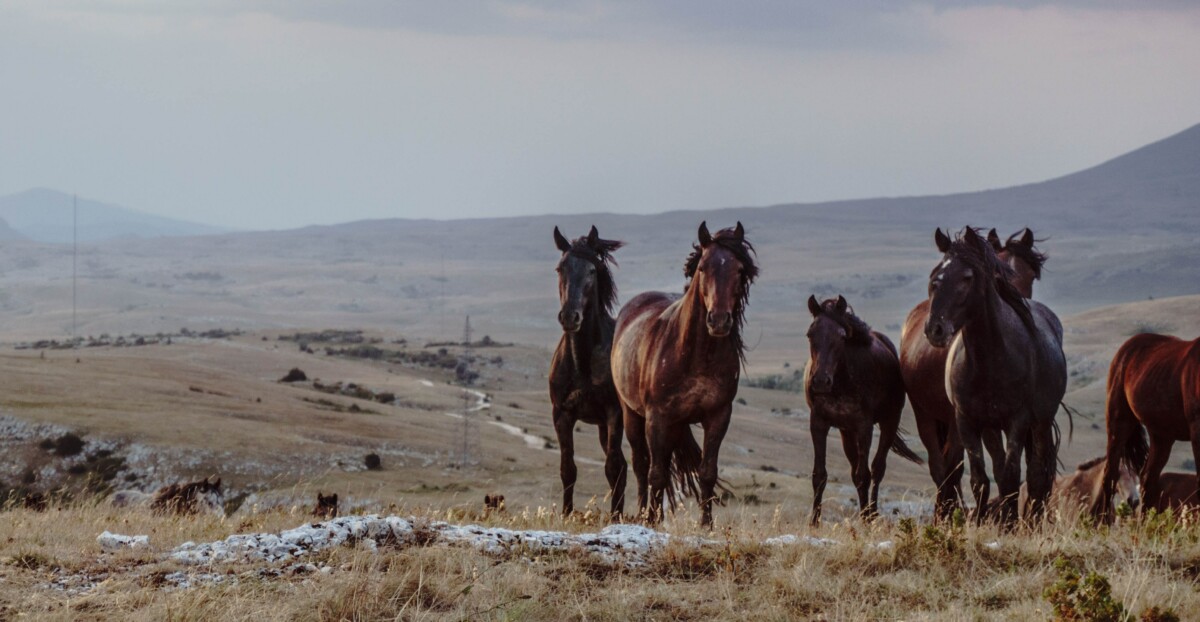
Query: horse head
(959, 283)
(827, 337)
(1026, 261)
(721, 269)
(584, 278)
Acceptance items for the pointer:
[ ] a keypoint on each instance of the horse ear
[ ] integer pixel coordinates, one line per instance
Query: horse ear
(739, 232)
(942, 240)
(334, 498)
(704, 235)
(841, 304)
(560, 241)
(994, 239)
(593, 236)
(970, 236)
(1027, 238)
(814, 307)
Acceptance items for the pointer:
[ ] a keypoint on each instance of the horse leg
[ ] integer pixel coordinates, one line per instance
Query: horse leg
(952, 456)
(564, 427)
(979, 478)
(887, 435)
(615, 467)
(1040, 475)
(859, 472)
(819, 430)
(927, 429)
(1121, 424)
(714, 434)
(1160, 453)
(1008, 474)
(639, 452)
(659, 438)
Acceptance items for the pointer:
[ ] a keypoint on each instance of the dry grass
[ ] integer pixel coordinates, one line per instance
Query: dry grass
(927, 573)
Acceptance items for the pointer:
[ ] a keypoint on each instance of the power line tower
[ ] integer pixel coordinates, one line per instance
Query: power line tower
(472, 404)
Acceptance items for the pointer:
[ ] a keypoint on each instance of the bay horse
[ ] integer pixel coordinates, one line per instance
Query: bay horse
(924, 370)
(676, 362)
(1177, 491)
(852, 382)
(1154, 390)
(581, 385)
(1005, 370)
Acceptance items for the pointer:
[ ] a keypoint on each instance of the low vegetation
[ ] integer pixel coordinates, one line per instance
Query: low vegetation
(1143, 569)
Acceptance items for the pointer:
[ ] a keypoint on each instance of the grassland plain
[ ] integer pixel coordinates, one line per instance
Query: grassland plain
(215, 405)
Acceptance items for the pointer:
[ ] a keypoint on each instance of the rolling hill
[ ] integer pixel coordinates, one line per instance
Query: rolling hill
(45, 215)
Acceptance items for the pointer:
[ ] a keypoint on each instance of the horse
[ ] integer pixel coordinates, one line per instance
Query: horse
(852, 382)
(581, 385)
(924, 370)
(203, 495)
(676, 362)
(1005, 370)
(493, 502)
(1077, 490)
(1154, 389)
(1177, 491)
(327, 506)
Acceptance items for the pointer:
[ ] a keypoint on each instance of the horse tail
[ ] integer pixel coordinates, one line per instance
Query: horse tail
(901, 448)
(686, 459)
(1071, 412)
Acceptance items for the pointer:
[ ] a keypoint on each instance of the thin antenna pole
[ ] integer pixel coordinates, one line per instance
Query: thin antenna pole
(75, 266)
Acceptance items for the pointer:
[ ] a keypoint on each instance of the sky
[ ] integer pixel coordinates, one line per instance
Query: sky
(276, 114)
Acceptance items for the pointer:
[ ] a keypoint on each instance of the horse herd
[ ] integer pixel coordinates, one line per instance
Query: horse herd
(980, 361)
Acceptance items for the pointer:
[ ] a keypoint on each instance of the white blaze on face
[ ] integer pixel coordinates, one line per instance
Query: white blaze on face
(941, 275)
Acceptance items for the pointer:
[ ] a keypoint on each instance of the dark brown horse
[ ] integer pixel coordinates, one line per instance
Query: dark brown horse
(924, 369)
(327, 506)
(581, 386)
(852, 382)
(676, 362)
(1154, 388)
(203, 495)
(1005, 372)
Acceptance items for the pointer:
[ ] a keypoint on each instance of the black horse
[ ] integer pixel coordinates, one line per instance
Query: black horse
(852, 382)
(1005, 371)
(581, 386)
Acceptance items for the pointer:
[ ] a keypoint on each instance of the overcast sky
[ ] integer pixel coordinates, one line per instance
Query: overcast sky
(282, 113)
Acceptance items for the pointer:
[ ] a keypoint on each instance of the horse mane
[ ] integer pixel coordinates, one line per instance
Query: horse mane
(1028, 254)
(600, 255)
(858, 332)
(1083, 466)
(744, 252)
(983, 260)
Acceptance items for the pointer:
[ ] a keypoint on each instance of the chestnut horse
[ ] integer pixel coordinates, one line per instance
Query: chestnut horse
(581, 386)
(852, 382)
(924, 369)
(1005, 371)
(1177, 491)
(1153, 387)
(676, 361)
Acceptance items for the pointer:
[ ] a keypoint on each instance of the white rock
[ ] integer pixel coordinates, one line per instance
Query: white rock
(114, 541)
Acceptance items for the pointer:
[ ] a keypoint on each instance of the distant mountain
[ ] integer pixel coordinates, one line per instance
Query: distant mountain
(45, 215)
(8, 233)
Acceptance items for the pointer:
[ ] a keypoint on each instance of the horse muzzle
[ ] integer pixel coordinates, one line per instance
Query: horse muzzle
(720, 324)
(821, 383)
(938, 332)
(570, 321)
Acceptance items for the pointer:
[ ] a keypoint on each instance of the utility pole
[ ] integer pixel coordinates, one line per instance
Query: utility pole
(75, 266)
(469, 411)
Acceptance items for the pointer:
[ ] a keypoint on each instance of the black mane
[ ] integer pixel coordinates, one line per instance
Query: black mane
(599, 254)
(983, 260)
(744, 252)
(858, 332)
(1028, 254)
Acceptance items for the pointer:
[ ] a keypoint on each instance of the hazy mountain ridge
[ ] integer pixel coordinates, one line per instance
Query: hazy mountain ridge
(45, 215)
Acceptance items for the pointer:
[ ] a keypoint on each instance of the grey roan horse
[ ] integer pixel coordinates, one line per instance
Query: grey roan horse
(1005, 373)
